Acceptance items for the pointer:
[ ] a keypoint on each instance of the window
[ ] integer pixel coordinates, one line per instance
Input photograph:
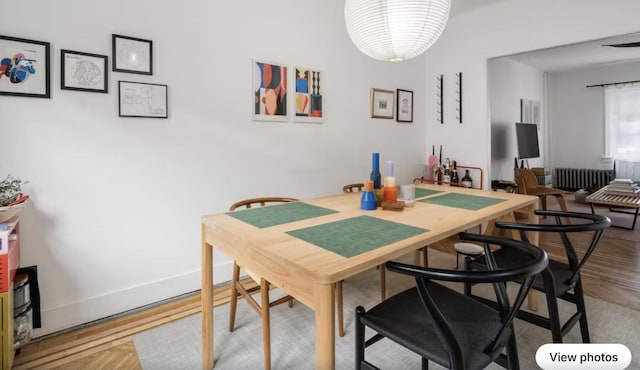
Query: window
(622, 121)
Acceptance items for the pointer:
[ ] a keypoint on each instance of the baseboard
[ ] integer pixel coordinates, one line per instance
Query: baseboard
(62, 318)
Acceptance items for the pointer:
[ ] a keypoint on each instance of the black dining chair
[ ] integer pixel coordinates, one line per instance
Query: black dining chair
(561, 279)
(444, 325)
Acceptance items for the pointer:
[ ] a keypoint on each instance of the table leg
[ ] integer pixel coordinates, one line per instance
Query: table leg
(207, 302)
(325, 331)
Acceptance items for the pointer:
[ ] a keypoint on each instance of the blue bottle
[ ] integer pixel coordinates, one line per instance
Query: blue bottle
(368, 201)
(375, 171)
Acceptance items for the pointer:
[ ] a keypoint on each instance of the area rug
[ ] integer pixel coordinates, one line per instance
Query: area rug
(616, 219)
(177, 345)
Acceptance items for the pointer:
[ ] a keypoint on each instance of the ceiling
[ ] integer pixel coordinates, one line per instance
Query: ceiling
(567, 57)
(461, 6)
(581, 55)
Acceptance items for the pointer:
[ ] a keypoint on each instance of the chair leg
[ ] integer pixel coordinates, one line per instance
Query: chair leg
(383, 282)
(467, 285)
(340, 308)
(584, 326)
(359, 337)
(266, 329)
(552, 306)
(234, 296)
(425, 364)
(512, 352)
(563, 206)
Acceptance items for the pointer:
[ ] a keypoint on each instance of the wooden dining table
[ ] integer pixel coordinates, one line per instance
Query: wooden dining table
(304, 247)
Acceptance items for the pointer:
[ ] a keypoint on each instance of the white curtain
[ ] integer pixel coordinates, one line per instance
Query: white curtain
(622, 121)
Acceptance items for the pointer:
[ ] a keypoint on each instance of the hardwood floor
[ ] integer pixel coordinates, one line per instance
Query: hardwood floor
(107, 344)
(611, 275)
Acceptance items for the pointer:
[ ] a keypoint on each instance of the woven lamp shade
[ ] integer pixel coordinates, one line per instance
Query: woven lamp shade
(395, 30)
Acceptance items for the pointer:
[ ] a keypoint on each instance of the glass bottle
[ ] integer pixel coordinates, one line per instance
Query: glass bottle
(455, 179)
(446, 174)
(438, 175)
(466, 180)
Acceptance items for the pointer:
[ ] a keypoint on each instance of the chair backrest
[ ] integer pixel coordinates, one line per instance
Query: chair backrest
(580, 222)
(352, 188)
(494, 274)
(526, 179)
(261, 202)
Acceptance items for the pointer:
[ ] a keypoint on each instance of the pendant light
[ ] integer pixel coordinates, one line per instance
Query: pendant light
(395, 30)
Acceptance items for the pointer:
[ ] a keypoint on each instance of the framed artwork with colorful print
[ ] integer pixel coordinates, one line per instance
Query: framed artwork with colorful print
(24, 67)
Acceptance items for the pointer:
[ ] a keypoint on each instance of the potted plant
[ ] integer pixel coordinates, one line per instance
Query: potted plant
(11, 197)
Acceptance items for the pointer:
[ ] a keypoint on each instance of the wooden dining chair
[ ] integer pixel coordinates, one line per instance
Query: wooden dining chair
(528, 184)
(353, 188)
(238, 289)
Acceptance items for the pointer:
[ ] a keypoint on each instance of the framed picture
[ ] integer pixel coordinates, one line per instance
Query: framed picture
(525, 110)
(308, 95)
(270, 91)
(382, 103)
(132, 55)
(404, 103)
(83, 71)
(24, 67)
(137, 99)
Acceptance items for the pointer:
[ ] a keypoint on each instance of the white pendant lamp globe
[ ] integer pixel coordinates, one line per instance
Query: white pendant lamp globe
(395, 30)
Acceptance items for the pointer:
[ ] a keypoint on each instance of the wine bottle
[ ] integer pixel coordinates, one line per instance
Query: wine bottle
(455, 179)
(438, 175)
(466, 180)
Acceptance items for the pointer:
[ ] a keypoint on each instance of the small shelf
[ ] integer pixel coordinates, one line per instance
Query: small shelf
(9, 262)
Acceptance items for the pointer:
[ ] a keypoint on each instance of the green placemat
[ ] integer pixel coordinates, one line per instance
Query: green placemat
(356, 235)
(471, 202)
(420, 193)
(279, 214)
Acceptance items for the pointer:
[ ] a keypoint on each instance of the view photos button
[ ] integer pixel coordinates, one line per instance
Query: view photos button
(583, 356)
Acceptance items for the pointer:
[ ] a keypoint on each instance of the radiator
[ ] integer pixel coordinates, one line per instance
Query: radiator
(581, 178)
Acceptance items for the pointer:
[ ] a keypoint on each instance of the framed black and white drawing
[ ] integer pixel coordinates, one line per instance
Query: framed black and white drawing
(382, 103)
(24, 67)
(132, 55)
(83, 71)
(404, 105)
(137, 99)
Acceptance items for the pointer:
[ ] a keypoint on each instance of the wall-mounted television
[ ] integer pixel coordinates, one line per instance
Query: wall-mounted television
(527, 136)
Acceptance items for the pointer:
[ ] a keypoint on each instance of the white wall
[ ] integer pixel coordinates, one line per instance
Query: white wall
(114, 216)
(500, 29)
(510, 81)
(114, 220)
(576, 114)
